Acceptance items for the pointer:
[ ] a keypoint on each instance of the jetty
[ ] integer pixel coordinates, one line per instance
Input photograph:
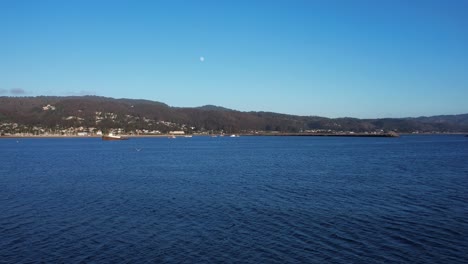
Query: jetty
(386, 135)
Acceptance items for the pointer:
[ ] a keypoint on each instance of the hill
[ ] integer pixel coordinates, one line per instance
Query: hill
(91, 113)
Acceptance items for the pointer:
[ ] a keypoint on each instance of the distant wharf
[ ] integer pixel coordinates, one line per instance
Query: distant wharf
(329, 134)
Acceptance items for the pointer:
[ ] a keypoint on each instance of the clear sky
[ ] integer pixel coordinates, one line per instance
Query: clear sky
(329, 58)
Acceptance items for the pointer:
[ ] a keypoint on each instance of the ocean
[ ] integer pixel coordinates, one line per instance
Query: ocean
(234, 200)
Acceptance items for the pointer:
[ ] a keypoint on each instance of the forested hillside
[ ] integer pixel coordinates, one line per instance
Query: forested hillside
(58, 113)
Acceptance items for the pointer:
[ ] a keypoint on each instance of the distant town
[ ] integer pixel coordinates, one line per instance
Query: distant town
(170, 128)
(15, 129)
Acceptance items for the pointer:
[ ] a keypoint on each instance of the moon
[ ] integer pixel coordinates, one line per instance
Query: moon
(202, 59)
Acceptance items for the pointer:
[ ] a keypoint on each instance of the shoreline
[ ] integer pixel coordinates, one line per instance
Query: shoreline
(247, 135)
(329, 135)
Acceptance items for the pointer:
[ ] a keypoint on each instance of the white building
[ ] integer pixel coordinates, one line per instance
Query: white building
(177, 133)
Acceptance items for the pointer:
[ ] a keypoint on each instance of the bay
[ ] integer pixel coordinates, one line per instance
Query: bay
(234, 200)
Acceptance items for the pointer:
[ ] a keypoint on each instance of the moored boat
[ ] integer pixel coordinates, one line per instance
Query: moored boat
(113, 137)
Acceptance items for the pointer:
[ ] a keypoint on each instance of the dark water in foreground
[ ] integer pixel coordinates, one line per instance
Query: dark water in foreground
(235, 200)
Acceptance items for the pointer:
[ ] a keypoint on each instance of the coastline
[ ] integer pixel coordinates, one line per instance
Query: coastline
(76, 136)
(246, 134)
(329, 135)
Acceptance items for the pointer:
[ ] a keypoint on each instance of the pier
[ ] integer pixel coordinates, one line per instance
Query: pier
(329, 134)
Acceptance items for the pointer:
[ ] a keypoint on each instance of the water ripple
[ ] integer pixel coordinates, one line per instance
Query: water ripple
(252, 200)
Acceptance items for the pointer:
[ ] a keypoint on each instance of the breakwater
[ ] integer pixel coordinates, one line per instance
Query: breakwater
(329, 134)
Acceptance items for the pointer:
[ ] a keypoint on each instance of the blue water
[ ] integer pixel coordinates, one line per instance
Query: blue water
(235, 200)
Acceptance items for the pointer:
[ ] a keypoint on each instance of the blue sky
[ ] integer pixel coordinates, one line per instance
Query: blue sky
(328, 58)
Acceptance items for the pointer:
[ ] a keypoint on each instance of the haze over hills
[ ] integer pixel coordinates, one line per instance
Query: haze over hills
(92, 113)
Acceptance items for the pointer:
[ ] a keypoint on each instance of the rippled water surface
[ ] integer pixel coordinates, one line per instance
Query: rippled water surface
(235, 200)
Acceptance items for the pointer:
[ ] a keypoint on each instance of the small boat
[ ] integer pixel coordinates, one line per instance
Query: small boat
(113, 137)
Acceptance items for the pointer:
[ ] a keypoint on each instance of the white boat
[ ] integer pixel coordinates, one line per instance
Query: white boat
(113, 137)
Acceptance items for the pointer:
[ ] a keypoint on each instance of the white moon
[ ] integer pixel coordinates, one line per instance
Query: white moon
(202, 59)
